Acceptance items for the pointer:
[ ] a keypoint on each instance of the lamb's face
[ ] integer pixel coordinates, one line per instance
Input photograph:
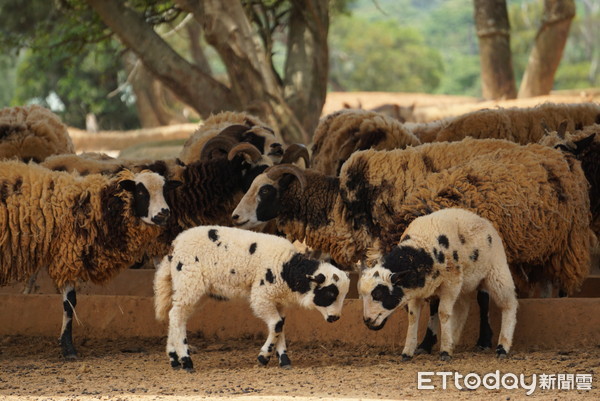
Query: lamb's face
(148, 190)
(380, 297)
(329, 291)
(264, 139)
(259, 205)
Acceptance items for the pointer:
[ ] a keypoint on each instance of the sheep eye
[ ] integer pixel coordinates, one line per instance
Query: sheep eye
(264, 191)
(378, 293)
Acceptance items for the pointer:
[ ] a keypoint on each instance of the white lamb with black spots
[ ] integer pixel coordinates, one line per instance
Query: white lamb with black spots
(447, 254)
(224, 263)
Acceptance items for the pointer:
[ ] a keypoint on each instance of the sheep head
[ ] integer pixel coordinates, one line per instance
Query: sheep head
(261, 202)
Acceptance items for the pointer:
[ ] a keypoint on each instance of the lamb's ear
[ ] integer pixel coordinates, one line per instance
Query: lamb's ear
(395, 277)
(319, 278)
(172, 184)
(128, 185)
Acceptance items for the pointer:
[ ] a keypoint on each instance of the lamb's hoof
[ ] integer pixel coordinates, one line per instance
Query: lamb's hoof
(263, 360)
(187, 363)
(189, 370)
(406, 358)
(284, 361)
(444, 356)
(501, 352)
(71, 357)
(482, 348)
(422, 351)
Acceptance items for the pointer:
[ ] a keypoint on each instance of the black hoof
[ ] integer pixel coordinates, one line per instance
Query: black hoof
(187, 363)
(263, 360)
(422, 351)
(501, 352)
(444, 356)
(406, 358)
(284, 361)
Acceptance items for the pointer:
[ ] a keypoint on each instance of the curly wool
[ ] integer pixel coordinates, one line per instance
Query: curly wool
(521, 125)
(81, 228)
(32, 133)
(344, 132)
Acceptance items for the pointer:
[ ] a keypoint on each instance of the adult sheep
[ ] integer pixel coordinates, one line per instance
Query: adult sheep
(239, 126)
(344, 132)
(225, 263)
(521, 125)
(80, 228)
(32, 133)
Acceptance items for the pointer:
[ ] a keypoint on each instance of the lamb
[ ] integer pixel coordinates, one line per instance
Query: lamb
(343, 132)
(80, 228)
(32, 133)
(223, 263)
(521, 125)
(449, 253)
(241, 127)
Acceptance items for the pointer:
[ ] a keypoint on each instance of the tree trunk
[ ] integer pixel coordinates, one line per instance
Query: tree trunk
(188, 82)
(548, 48)
(307, 63)
(229, 31)
(493, 31)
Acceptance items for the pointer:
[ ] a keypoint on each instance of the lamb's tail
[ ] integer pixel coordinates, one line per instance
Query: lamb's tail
(163, 289)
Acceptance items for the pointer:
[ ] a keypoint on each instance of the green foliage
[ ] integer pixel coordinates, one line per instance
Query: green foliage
(381, 56)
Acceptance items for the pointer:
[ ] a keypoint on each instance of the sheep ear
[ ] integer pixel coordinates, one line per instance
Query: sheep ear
(562, 129)
(172, 184)
(128, 185)
(584, 143)
(319, 279)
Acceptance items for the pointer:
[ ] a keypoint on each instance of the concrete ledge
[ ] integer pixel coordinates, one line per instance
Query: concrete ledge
(542, 323)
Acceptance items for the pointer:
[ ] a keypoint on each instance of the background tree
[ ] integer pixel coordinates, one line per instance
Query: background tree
(548, 48)
(493, 31)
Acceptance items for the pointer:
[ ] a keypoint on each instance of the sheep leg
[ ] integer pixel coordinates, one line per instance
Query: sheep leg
(448, 296)
(461, 312)
(484, 341)
(281, 348)
(433, 325)
(177, 345)
(502, 290)
(66, 333)
(268, 312)
(414, 312)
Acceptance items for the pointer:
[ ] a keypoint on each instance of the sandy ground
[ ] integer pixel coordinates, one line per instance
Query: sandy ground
(138, 369)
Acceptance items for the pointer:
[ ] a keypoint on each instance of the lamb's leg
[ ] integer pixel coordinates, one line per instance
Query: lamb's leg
(177, 345)
(268, 312)
(461, 312)
(414, 311)
(284, 360)
(433, 325)
(502, 291)
(448, 296)
(66, 333)
(485, 330)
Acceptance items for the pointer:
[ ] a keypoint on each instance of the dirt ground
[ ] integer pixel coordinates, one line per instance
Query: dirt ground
(137, 369)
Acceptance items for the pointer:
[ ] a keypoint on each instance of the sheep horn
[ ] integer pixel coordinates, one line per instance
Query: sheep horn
(294, 152)
(246, 148)
(562, 128)
(276, 172)
(222, 143)
(234, 131)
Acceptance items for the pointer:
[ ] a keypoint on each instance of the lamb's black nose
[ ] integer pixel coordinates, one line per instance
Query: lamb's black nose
(332, 318)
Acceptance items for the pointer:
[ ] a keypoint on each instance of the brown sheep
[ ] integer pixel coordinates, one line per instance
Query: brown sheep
(32, 133)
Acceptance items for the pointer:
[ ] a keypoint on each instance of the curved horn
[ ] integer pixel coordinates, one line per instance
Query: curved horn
(276, 172)
(246, 148)
(294, 152)
(234, 131)
(221, 143)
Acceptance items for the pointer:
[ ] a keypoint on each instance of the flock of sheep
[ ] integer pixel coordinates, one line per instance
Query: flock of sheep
(498, 202)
